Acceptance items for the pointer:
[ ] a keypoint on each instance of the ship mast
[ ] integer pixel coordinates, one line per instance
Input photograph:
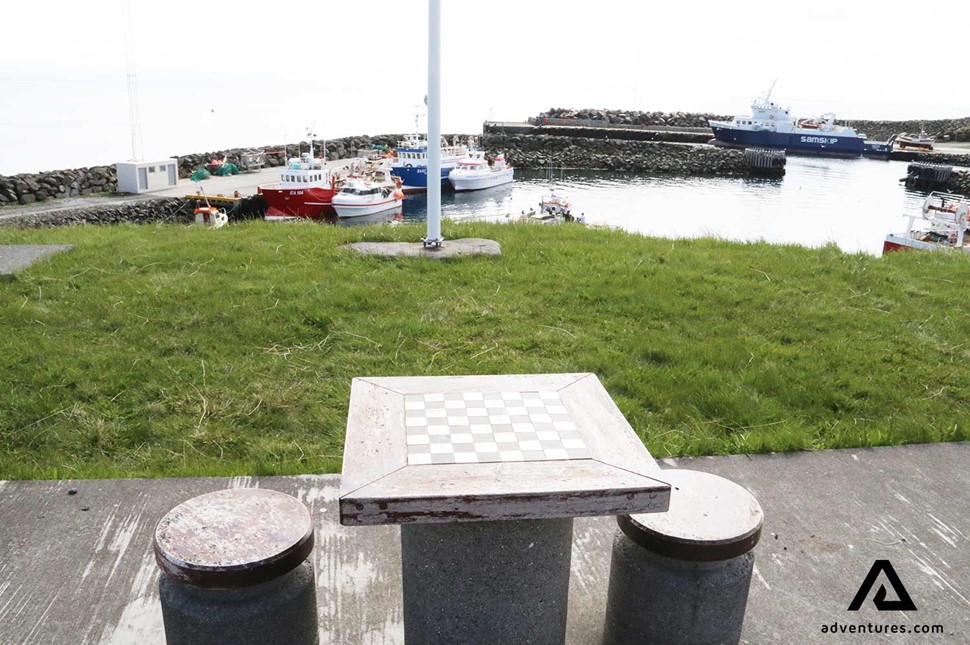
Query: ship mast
(770, 90)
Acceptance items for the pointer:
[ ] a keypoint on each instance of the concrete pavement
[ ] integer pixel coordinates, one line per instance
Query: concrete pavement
(78, 568)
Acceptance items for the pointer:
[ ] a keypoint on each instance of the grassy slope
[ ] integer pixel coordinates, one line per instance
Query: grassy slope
(151, 351)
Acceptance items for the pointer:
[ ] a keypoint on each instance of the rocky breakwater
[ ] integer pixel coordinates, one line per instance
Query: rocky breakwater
(538, 152)
(56, 184)
(149, 211)
(636, 117)
(942, 129)
(959, 183)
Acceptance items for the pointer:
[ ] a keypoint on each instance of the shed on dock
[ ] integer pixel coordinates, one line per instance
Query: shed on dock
(143, 176)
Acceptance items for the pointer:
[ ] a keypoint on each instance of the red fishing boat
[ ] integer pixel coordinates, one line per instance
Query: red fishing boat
(306, 189)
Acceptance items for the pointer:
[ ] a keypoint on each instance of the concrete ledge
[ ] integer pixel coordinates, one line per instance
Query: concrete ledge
(19, 257)
(79, 568)
(449, 249)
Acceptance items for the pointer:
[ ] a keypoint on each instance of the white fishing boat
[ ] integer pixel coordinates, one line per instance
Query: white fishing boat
(555, 204)
(942, 224)
(374, 191)
(474, 172)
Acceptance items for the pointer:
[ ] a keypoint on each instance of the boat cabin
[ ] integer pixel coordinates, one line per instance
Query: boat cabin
(354, 188)
(304, 171)
(413, 150)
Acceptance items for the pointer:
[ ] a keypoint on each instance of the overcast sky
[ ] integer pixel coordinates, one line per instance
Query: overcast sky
(222, 74)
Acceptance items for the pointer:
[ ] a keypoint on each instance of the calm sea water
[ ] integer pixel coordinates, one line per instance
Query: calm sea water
(852, 203)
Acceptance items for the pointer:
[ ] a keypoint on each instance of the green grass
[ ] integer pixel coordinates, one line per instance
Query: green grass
(176, 351)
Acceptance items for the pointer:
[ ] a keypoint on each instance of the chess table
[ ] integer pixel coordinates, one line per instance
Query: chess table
(484, 474)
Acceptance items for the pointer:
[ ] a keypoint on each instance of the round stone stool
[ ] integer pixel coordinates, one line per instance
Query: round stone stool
(682, 577)
(236, 570)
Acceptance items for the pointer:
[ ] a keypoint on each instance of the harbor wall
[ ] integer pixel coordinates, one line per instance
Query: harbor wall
(170, 210)
(39, 187)
(540, 151)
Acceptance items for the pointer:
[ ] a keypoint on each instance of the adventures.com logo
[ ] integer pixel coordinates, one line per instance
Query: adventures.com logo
(903, 602)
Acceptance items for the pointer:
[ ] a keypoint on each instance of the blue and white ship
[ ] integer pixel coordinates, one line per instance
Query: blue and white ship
(411, 162)
(772, 126)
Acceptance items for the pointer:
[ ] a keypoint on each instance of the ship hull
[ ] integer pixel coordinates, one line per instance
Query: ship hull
(414, 179)
(481, 182)
(806, 143)
(310, 203)
(345, 210)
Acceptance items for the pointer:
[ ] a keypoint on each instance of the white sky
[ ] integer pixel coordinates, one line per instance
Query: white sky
(215, 74)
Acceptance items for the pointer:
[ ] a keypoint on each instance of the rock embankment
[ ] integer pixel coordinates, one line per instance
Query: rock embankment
(959, 183)
(942, 129)
(538, 152)
(170, 210)
(635, 117)
(39, 187)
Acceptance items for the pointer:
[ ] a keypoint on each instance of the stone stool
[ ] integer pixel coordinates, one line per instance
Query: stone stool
(236, 570)
(682, 577)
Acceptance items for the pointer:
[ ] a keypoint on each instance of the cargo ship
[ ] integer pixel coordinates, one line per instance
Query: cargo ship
(771, 126)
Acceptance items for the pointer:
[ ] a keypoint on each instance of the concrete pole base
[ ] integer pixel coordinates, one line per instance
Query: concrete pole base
(479, 583)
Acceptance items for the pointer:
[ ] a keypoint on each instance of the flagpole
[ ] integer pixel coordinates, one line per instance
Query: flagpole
(434, 125)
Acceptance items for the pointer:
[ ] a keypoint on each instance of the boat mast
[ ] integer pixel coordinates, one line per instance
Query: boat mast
(770, 90)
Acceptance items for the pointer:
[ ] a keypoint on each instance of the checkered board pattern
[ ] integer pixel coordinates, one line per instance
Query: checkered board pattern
(482, 427)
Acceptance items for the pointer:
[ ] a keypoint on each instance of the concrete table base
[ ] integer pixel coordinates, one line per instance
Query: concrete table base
(481, 583)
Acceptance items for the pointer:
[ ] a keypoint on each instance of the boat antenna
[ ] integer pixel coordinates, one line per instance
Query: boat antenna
(310, 134)
(770, 90)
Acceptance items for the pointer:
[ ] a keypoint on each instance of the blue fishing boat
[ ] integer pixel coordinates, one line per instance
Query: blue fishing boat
(411, 162)
(771, 126)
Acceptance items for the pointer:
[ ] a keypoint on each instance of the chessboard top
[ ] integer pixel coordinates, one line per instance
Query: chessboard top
(473, 448)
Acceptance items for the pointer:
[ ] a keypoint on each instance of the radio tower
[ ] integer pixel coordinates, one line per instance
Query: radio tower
(134, 115)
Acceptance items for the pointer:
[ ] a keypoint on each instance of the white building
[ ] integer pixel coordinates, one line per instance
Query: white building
(142, 176)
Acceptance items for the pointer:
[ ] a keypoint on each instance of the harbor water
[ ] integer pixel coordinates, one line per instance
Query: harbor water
(852, 203)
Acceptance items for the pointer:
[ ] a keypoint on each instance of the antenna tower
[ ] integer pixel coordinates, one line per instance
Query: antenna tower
(134, 114)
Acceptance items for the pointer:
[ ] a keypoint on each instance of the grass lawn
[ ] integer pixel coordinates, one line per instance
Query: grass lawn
(178, 351)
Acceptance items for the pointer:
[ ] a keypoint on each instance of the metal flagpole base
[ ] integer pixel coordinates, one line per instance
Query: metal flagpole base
(433, 243)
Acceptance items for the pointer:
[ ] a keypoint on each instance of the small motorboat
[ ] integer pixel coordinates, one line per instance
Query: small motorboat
(211, 216)
(921, 141)
(555, 204)
(942, 224)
